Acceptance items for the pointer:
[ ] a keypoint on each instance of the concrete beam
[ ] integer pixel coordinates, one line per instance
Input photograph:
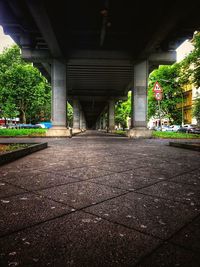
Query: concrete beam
(47, 67)
(166, 26)
(99, 54)
(43, 23)
(162, 58)
(36, 55)
(96, 98)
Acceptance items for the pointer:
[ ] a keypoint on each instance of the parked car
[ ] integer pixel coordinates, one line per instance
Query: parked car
(194, 130)
(46, 124)
(11, 126)
(29, 126)
(188, 128)
(182, 130)
(174, 128)
(40, 125)
(3, 127)
(166, 128)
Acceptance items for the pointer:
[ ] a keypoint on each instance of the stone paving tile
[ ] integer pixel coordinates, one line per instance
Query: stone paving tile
(151, 215)
(78, 240)
(17, 166)
(63, 165)
(191, 178)
(127, 180)
(27, 209)
(174, 191)
(39, 180)
(81, 194)
(113, 167)
(189, 236)
(85, 173)
(153, 172)
(171, 256)
(169, 171)
(7, 190)
(171, 168)
(132, 162)
(14, 173)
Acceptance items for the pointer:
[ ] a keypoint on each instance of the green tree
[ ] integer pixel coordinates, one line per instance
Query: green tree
(196, 110)
(190, 66)
(123, 111)
(23, 88)
(8, 109)
(69, 114)
(172, 94)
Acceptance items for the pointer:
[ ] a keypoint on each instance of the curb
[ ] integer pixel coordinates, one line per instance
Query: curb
(34, 136)
(194, 146)
(19, 153)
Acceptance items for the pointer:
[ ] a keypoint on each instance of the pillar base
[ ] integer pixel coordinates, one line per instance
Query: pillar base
(57, 131)
(76, 130)
(111, 129)
(139, 132)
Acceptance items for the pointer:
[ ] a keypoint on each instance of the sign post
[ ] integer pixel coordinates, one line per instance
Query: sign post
(158, 93)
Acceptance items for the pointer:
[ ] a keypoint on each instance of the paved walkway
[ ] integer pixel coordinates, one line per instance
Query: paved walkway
(97, 200)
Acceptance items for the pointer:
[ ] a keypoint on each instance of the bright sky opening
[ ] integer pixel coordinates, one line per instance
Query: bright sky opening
(5, 40)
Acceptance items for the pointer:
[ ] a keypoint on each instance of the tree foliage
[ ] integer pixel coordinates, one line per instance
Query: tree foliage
(196, 110)
(172, 94)
(173, 78)
(190, 66)
(69, 115)
(123, 111)
(23, 90)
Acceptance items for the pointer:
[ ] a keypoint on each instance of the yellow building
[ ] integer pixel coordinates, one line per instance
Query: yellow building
(187, 103)
(190, 93)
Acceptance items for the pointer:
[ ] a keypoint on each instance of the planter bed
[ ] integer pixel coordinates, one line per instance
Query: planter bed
(21, 151)
(192, 146)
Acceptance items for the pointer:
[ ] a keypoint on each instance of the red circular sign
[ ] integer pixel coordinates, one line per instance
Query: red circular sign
(158, 95)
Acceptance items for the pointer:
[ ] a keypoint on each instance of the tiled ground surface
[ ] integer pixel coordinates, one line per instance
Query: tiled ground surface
(96, 200)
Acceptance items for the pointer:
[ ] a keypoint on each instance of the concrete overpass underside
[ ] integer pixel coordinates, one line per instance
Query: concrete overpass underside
(94, 52)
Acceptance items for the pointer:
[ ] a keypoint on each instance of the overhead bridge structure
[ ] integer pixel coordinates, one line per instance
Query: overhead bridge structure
(94, 52)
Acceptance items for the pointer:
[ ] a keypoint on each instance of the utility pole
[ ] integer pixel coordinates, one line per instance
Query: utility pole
(159, 110)
(158, 92)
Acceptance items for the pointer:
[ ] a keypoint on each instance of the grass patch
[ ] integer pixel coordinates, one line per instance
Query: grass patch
(11, 147)
(120, 132)
(174, 135)
(22, 132)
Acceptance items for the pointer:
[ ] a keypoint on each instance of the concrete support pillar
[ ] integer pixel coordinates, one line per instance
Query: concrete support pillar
(76, 115)
(139, 101)
(111, 115)
(59, 102)
(82, 120)
(103, 122)
(100, 123)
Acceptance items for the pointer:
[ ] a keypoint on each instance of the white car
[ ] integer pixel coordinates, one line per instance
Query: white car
(40, 125)
(174, 128)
